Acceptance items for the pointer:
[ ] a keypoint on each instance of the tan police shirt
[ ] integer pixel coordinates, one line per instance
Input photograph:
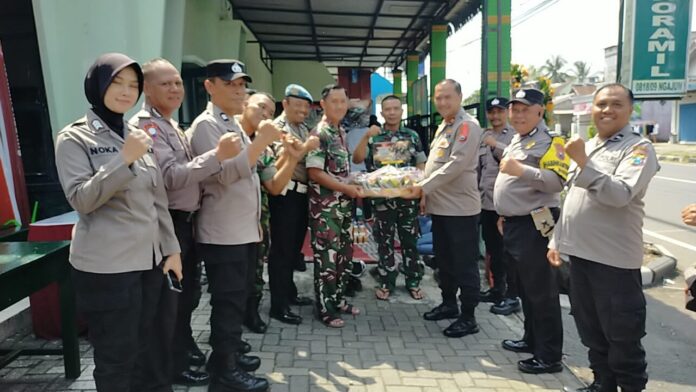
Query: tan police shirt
(182, 171)
(123, 219)
(301, 132)
(537, 187)
(451, 186)
(489, 162)
(602, 215)
(231, 204)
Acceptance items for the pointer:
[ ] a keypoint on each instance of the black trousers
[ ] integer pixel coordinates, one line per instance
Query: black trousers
(609, 311)
(538, 289)
(130, 319)
(503, 271)
(455, 243)
(228, 268)
(190, 297)
(153, 367)
(289, 216)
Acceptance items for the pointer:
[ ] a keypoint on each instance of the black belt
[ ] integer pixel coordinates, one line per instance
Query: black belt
(186, 216)
(528, 216)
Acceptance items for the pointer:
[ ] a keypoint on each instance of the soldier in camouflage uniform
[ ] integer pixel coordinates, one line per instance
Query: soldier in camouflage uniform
(330, 209)
(400, 147)
(274, 175)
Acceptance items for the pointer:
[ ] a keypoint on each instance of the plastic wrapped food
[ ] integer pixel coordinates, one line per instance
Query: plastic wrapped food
(388, 181)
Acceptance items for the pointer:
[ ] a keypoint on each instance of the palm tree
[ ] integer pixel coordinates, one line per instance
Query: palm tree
(553, 69)
(581, 71)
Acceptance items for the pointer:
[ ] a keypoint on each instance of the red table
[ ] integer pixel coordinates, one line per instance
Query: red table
(45, 304)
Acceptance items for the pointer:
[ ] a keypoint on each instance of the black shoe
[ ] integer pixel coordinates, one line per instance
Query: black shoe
(248, 363)
(490, 296)
(594, 387)
(300, 263)
(506, 307)
(195, 356)
(255, 324)
(537, 366)
(461, 327)
(237, 380)
(518, 346)
(353, 286)
(252, 320)
(192, 378)
(441, 312)
(287, 317)
(246, 347)
(300, 301)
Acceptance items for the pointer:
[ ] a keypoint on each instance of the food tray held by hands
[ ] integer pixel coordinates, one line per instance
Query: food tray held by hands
(388, 181)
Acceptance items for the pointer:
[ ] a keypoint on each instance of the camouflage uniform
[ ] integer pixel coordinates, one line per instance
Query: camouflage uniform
(400, 148)
(330, 216)
(265, 167)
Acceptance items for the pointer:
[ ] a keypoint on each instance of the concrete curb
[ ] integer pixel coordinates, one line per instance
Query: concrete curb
(675, 158)
(663, 266)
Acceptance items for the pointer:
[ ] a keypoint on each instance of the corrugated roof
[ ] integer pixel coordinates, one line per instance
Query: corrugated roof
(355, 33)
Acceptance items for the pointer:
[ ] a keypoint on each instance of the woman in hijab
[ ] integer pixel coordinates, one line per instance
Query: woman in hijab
(123, 244)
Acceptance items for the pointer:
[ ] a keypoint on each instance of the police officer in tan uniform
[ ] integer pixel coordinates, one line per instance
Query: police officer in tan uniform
(274, 173)
(227, 229)
(600, 232)
(450, 195)
(123, 243)
(183, 173)
(503, 291)
(289, 213)
(526, 196)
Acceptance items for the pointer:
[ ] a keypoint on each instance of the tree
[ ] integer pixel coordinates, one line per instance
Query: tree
(534, 72)
(473, 98)
(581, 71)
(553, 69)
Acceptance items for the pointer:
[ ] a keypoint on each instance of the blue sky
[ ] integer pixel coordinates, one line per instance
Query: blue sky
(574, 29)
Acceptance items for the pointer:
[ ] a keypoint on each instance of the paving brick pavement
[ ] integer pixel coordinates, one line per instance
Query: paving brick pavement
(389, 348)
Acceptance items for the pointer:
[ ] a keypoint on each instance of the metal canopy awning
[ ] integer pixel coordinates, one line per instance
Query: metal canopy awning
(347, 33)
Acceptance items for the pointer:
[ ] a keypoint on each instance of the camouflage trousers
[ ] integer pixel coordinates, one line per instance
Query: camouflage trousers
(397, 216)
(262, 258)
(329, 225)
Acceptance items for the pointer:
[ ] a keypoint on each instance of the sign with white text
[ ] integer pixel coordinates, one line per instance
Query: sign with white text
(660, 48)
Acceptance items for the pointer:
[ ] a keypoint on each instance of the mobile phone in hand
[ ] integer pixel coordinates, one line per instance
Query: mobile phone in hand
(174, 283)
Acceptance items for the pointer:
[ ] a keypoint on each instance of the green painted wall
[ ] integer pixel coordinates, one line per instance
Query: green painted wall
(312, 75)
(70, 38)
(195, 31)
(263, 78)
(209, 31)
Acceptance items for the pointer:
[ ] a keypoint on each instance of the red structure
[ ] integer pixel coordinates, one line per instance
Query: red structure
(356, 81)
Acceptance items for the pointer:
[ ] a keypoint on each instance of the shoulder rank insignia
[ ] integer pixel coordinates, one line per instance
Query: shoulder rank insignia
(463, 132)
(97, 125)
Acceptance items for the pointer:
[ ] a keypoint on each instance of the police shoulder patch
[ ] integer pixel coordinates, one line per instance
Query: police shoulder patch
(463, 132)
(151, 128)
(555, 158)
(639, 153)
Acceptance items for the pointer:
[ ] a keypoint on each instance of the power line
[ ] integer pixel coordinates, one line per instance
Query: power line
(526, 15)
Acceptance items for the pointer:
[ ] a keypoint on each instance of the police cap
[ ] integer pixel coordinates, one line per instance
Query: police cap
(227, 69)
(529, 96)
(496, 102)
(297, 91)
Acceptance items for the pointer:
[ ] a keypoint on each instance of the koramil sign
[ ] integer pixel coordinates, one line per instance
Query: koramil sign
(660, 48)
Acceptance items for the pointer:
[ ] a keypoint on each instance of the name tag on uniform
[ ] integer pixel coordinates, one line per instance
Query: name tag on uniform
(543, 221)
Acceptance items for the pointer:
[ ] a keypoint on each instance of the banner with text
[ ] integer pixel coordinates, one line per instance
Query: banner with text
(660, 48)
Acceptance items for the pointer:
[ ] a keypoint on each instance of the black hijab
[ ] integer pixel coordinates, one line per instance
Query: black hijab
(99, 77)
